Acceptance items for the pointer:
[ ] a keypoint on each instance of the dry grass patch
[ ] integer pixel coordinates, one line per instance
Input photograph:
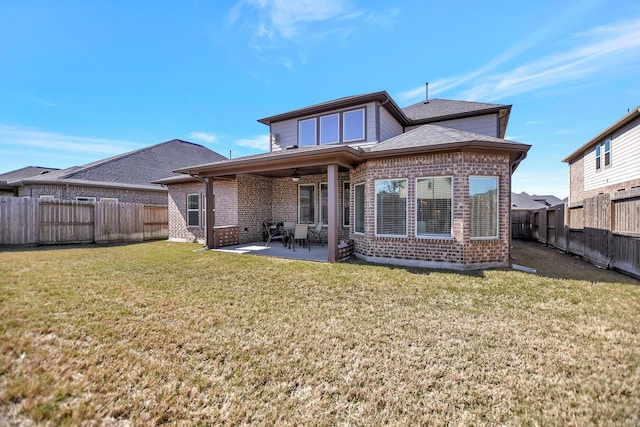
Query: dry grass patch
(154, 333)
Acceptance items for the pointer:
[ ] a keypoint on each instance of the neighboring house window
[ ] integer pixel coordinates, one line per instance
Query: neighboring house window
(353, 126)
(358, 208)
(606, 148)
(324, 203)
(433, 206)
(193, 210)
(483, 201)
(85, 199)
(109, 199)
(47, 198)
(391, 207)
(346, 197)
(330, 129)
(307, 132)
(306, 208)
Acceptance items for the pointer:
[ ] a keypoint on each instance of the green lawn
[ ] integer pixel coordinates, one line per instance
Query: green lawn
(155, 333)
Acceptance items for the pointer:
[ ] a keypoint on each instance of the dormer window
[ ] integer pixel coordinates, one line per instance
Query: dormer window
(334, 128)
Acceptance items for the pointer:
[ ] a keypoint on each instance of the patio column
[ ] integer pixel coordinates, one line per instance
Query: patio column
(332, 229)
(209, 221)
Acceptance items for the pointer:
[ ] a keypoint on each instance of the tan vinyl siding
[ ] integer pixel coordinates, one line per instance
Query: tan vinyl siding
(625, 158)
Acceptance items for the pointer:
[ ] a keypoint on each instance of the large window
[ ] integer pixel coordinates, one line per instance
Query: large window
(324, 203)
(306, 206)
(348, 126)
(391, 207)
(307, 132)
(193, 210)
(330, 129)
(358, 207)
(353, 129)
(346, 201)
(433, 206)
(483, 200)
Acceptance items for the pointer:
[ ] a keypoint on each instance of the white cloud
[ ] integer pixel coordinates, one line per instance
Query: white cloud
(259, 142)
(15, 137)
(204, 136)
(596, 51)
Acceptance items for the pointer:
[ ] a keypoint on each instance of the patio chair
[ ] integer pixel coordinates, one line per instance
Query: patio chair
(272, 232)
(315, 234)
(300, 234)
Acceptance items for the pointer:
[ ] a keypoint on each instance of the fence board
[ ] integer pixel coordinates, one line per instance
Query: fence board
(34, 221)
(603, 230)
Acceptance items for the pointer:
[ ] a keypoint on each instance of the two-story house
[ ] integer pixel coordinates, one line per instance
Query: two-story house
(607, 163)
(428, 185)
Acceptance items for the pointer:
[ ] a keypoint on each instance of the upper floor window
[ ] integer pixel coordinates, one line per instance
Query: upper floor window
(353, 129)
(603, 148)
(347, 126)
(307, 132)
(330, 129)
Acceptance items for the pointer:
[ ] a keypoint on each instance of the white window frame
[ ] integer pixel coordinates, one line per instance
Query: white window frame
(598, 157)
(47, 197)
(406, 207)
(312, 198)
(497, 219)
(607, 152)
(315, 131)
(344, 124)
(109, 199)
(197, 209)
(323, 202)
(432, 235)
(85, 199)
(346, 204)
(355, 208)
(322, 132)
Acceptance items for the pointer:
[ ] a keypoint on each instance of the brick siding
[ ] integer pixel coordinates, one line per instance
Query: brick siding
(64, 192)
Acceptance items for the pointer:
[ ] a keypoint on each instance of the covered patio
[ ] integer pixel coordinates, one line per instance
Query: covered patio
(292, 165)
(278, 250)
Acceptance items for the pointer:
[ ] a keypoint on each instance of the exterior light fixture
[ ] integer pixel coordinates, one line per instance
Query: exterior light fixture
(296, 176)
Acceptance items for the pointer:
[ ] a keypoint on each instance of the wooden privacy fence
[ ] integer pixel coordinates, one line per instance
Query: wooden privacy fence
(604, 230)
(27, 221)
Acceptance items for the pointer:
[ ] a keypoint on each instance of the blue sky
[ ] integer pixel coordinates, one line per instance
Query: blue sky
(81, 81)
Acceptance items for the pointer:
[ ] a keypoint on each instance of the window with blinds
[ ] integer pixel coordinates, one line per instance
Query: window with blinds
(483, 200)
(433, 206)
(358, 206)
(391, 207)
(324, 203)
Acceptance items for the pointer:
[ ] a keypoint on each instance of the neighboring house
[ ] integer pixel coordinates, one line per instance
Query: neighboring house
(528, 202)
(11, 190)
(124, 178)
(428, 185)
(607, 163)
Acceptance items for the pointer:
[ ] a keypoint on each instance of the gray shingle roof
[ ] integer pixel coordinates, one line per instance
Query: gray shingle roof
(430, 135)
(24, 173)
(447, 108)
(524, 201)
(139, 167)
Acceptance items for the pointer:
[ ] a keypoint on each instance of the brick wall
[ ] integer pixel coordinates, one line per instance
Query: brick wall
(64, 192)
(459, 249)
(226, 213)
